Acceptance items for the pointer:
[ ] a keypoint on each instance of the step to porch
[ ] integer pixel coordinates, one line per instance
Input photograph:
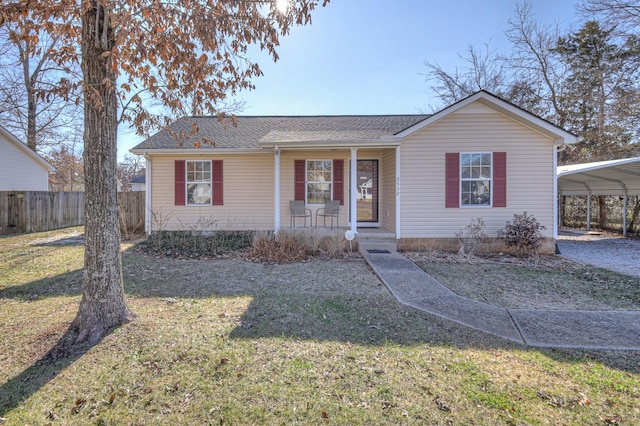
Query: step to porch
(376, 239)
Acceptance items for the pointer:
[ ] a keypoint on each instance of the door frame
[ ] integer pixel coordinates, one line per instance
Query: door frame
(371, 224)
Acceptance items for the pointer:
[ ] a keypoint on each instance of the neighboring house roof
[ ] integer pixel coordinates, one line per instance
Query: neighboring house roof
(138, 179)
(28, 151)
(613, 177)
(251, 132)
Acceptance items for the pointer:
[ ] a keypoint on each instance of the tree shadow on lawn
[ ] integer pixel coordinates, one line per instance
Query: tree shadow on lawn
(356, 310)
(19, 388)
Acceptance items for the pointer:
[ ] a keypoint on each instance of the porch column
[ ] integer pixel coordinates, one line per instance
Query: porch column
(353, 192)
(276, 189)
(398, 192)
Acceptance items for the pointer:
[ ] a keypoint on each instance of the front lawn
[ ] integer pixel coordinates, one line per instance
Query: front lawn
(228, 341)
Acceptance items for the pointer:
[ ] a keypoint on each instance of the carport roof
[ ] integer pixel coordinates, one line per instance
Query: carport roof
(614, 177)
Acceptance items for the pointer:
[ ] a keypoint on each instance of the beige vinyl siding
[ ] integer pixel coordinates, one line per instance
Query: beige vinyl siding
(475, 128)
(248, 195)
(388, 189)
(287, 181)
(19, 171)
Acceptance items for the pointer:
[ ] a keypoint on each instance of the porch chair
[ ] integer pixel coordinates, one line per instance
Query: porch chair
(298, 209)
(330, 209)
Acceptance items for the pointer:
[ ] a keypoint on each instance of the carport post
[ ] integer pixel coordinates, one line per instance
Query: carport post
(624, 217)
(589, 211)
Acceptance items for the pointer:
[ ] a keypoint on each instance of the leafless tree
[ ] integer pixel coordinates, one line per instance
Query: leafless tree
(482, 70)
(35, 89)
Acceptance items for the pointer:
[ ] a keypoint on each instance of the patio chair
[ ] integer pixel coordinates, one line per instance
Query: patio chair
(298, 209)
(330, 209)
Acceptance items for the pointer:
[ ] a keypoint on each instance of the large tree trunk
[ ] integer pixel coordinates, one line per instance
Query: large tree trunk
(102, 306)
(602, 208)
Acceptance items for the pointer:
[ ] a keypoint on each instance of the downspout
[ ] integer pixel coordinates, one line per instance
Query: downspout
(398, 193)
(353, 201)
(555, 191)
(147, 198)
(276, 189)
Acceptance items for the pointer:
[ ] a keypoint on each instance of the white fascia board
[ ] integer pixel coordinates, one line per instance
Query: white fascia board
(198, 151)
(544, 127)
(363, 143)
(586, 167)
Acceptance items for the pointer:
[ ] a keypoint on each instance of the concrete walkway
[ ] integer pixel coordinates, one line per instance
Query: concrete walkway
(542, 328)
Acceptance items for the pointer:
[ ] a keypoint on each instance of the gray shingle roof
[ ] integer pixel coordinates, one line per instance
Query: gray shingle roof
(251, 130)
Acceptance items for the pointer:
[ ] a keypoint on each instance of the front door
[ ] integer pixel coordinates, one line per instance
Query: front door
(367, 195)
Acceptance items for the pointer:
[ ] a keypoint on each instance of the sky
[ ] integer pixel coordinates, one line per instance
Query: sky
(367, 56)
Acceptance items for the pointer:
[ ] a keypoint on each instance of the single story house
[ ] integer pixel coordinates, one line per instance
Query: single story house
(21, 168)
(430, 174)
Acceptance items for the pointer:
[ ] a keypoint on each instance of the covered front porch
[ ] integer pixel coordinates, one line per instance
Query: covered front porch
(363, 181)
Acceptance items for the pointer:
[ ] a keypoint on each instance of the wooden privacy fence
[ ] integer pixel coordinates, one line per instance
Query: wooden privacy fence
(37, 211)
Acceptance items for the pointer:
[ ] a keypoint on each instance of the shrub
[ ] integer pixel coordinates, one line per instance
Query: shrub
(295, 246)
(471, 236)
(195, 245)
(523, 233)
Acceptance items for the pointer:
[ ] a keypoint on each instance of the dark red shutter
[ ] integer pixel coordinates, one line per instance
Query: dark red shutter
(217, 183)
(179, 178)
(338, 181)
(499, 179)
(300, 180)
(452, 180)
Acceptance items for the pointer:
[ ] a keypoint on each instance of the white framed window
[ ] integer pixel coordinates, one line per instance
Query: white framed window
(476, 176)
(319, 181)
(198, 183)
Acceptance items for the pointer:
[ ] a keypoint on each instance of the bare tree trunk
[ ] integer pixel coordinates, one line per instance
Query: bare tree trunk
(102, 306)
(602, 207)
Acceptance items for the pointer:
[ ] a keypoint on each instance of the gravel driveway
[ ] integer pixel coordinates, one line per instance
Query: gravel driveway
(604, 250)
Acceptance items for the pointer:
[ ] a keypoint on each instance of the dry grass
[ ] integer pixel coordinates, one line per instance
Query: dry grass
(233, 342)
(546, 283)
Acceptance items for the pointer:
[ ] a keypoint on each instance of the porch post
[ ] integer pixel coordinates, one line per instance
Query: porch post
(353, 185)
(276, 189)
(397, 192)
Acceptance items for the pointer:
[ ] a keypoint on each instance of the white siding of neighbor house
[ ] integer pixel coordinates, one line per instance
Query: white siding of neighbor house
(19, 171)
(248, 195)
(287, 161)
(475, 128)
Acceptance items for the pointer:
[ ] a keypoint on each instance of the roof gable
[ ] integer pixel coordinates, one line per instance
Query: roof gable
(484, 99)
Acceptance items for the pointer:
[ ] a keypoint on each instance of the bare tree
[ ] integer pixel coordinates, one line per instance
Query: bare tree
(34, 87)
(536, 64)
(624, 15)
(130, 167)
(482, 70)
(69, 174)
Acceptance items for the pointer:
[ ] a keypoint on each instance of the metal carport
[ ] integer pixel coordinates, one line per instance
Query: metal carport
(614, 177)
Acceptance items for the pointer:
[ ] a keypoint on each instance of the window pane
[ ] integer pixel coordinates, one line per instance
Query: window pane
(486, 159)
(465, 160)
(475, 159)
(198, 193)
(198, 182)
(485, 172)
(318, 193)
(466, 172)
